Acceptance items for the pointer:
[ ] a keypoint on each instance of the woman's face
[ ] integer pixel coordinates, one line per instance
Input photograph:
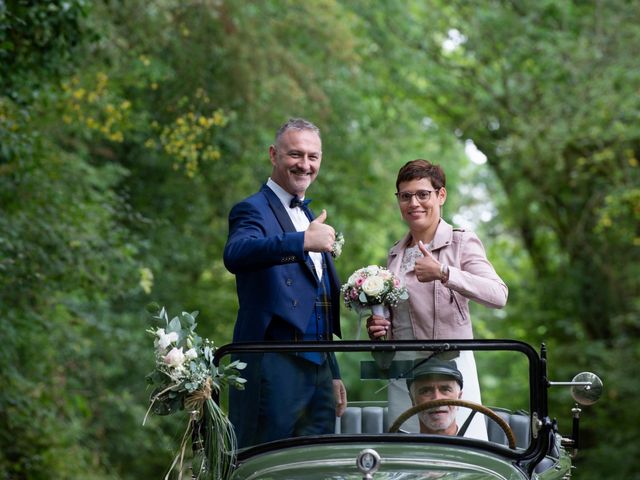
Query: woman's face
(422, 216)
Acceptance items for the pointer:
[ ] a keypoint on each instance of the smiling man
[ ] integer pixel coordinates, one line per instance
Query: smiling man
(436, 379)
(288, 290)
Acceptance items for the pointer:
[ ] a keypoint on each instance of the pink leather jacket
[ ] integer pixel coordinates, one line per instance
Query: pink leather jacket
(441, 311)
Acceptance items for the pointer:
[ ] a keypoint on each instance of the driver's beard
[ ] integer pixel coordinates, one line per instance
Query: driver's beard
(438, 425)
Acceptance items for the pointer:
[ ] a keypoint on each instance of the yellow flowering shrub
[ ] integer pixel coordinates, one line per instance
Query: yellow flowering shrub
(94, 104)
(190, 139)
(96, 107)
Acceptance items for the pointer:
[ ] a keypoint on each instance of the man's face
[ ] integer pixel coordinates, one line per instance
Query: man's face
(296, 160)
(440, 420)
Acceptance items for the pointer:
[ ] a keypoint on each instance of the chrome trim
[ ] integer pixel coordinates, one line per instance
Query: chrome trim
(388, 462)
(368, 470)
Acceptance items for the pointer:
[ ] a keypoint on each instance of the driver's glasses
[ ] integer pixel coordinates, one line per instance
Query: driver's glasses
(421, 195)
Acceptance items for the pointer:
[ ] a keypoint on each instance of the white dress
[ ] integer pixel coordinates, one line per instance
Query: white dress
(398, 394)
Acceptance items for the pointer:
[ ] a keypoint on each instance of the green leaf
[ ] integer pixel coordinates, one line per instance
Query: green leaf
(174, 326)
(190, 320)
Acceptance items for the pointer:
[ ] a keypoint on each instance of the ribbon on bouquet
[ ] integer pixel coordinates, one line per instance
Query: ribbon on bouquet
(217, 456)
(377, 309)
(193, 403)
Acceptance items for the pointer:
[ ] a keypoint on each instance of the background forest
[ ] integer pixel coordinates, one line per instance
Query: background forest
(128, 129)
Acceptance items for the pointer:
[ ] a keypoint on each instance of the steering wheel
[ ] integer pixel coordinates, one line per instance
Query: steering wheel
(511, 438)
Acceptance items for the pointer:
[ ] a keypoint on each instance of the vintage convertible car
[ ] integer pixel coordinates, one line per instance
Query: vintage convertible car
(371, 441)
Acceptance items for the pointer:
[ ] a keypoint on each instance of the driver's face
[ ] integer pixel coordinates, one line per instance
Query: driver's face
(440, 419)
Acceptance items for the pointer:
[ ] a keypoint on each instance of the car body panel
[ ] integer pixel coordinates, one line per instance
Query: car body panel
(407, 461)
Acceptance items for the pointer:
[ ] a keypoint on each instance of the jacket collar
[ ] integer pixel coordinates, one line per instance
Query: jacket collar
(442, 238)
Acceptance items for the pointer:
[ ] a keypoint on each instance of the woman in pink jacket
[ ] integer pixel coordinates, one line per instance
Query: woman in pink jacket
(443, 268)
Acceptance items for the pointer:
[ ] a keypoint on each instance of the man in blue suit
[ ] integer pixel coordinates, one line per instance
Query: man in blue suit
(288, 289)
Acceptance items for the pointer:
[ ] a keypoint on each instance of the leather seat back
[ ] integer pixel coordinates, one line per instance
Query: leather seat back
(374, 419)
(363, 419)
(519, 422)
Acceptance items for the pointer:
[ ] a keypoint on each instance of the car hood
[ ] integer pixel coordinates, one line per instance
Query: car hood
(405, 461)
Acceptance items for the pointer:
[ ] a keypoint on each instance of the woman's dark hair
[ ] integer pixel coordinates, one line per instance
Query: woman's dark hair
(417, 169)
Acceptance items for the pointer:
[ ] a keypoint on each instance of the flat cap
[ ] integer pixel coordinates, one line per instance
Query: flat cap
(424, 367)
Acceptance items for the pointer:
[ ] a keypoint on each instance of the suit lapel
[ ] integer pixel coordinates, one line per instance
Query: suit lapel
(285, 222)
(278, 210)
(307, 211)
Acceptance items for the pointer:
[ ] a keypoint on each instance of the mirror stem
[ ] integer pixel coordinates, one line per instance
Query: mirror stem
(576, 429)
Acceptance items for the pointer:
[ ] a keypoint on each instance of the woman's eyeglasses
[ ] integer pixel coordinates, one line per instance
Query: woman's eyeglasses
(421, 195)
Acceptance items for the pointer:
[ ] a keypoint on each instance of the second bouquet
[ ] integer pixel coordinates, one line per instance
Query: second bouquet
(373, 287)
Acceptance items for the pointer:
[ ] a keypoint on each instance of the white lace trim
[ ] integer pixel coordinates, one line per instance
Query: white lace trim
(411, 254)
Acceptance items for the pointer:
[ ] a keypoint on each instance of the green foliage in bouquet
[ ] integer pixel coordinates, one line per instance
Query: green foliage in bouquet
(185, 378)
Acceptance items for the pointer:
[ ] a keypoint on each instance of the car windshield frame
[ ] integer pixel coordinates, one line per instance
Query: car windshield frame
(538, 384)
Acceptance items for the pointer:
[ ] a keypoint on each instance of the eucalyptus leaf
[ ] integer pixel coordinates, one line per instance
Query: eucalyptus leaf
(174, 326)
(190, 320)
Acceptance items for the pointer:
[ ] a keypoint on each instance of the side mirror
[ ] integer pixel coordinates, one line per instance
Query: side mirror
(586, 388)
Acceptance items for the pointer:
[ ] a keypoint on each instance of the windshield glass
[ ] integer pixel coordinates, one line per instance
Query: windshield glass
(292, 394)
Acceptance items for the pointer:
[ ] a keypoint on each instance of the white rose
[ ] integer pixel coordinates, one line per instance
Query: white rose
(165, 339)
(175, 357)
(191, 354)
(385, 274)
(352, 279)
(373, 286)
(159, 334)
(372, 270)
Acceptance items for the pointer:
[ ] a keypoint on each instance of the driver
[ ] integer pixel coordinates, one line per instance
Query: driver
(436, 379)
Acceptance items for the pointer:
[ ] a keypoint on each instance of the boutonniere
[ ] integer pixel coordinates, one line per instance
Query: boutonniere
(336, 250)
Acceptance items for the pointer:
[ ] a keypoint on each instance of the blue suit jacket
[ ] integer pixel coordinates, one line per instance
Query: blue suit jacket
(266, 254)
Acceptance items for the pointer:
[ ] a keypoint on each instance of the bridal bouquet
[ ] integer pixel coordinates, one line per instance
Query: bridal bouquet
(373, 287)
(185, 378)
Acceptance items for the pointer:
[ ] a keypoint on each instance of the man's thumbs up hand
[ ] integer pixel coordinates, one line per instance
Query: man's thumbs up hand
(319, 237)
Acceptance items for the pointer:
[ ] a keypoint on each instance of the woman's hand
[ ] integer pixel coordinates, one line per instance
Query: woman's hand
(377, 326)
(427, 268)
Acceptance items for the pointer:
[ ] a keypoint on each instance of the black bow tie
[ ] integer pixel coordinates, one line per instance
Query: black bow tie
(296, 202)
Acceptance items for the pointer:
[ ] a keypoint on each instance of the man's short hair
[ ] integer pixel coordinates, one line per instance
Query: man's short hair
(296, 124)
(425, 367)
